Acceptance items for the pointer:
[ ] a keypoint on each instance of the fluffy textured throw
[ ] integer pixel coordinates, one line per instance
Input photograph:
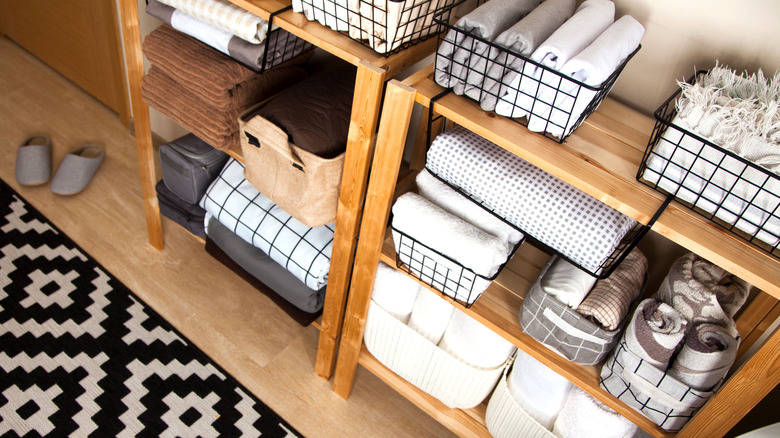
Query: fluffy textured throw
(224, 15)
(441, 194)
(473, 343)
(707, 354)
(654, 332)
(540, 391)
(521, 38)
(703, 292)
(430, 315)
(460, 49)
(218, 80)
(216, 127)
(566, 282)
(609, 301)
(583, 416)
(395, 292)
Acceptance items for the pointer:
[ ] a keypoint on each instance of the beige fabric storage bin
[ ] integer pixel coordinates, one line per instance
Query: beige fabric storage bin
(506, 419)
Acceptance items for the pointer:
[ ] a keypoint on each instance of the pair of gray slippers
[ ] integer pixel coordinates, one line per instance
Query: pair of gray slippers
(33, 165)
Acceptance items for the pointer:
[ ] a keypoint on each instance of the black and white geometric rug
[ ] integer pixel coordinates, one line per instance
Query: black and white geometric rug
(80, 355)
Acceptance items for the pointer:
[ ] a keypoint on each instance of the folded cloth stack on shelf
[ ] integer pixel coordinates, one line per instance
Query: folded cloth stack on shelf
(204, 90)
(739, 114)
(582, 416)
(301, 250)
(558, 215)
(219, 24)
(538, 390)
(578, 317)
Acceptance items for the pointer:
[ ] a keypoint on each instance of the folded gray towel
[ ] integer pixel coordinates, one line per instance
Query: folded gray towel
(459, 48)
(522, 38)
(654, 332)
(706, 356)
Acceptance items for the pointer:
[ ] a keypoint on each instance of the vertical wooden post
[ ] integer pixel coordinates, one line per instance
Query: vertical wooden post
(369, 85)
(399, 101)
(131, 36)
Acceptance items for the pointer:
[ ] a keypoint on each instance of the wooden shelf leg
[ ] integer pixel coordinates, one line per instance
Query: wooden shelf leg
(131, 36)
(366, 103)
(399, 102)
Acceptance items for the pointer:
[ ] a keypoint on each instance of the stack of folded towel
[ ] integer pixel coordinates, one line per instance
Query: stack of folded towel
(538, 390)
(585, 44)
(582, 416)
(204, 90)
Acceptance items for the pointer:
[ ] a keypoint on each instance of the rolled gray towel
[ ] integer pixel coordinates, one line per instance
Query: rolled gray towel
(654, 332)
(707, 354)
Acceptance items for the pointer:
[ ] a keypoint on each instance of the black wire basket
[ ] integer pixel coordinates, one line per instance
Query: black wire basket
(280, 45)
(729, 190)
(540, 98)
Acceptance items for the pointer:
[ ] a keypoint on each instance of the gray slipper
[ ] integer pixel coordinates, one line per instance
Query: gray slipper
(77, 169)
(33, 161)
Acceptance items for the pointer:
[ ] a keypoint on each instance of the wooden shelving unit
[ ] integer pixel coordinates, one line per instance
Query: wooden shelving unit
(373, 70)
(601, 158)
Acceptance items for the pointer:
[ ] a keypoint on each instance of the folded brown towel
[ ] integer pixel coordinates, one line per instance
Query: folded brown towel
(216, 78)
(216, 127)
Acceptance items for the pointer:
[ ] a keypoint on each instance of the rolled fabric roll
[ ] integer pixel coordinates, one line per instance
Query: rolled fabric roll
(566, 282)
(446, 197)
(226, 16)
(430, 315)
(540, 391)
(707, 354)
(585, 417)
(473, 343)
(395, 292)
(654, 332)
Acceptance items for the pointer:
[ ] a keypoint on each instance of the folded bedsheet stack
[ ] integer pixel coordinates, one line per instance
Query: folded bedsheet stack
(586, 45)
(680, 343)
(204, 90)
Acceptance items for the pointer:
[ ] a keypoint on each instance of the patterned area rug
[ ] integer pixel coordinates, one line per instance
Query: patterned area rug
(80, 355)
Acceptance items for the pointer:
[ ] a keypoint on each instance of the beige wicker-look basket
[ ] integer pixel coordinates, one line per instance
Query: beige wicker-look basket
(506, 419)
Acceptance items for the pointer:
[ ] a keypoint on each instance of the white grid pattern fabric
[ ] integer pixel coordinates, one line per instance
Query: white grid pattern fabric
(224, 15)
(573, 223)
(305, 252)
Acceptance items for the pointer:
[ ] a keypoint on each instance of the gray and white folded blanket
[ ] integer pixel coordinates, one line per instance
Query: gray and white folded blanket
(236, 204)
(703, 292)
(707, 354)
(654, 332)
(459, 50)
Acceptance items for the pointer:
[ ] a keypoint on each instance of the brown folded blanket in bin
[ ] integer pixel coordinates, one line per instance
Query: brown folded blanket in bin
(216, 78)
(216, 127)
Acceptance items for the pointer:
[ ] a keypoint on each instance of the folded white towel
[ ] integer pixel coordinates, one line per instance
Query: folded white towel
(566, 282)
(462, 241)
(446, 197)
(585, 417)
(430, 315)
(395, 292)
(473, 343)
(540, 391)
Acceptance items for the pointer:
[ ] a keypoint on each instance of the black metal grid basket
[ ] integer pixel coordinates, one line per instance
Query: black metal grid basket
(440, 271)
(513, 85)
(280, 45)
(733, 192)
(385, 26)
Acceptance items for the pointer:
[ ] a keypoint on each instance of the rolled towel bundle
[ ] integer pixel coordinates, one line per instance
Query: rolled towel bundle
(459, 47)
(566, 282)
(703, 292)
(446, 197)
(707, 354)
(473, 343)
(609, 300)
(226, 16)
(654, 332)
(540, 391)
(430, 315)
(585, 417)
(521, 38)
(462, 241)
(395, 292)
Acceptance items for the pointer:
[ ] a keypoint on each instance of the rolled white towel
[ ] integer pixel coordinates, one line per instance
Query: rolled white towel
(540, 391)
(430, 315)
(450, 235)
(583, 416)
(446, 197)
(395, 292)
(566, 282)
(473, 343)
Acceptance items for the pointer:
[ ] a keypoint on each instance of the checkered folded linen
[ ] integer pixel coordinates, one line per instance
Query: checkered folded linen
(303, 251)
(226, 16)
(573, 223)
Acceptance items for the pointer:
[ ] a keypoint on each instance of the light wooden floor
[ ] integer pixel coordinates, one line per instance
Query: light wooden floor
(238, 327)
